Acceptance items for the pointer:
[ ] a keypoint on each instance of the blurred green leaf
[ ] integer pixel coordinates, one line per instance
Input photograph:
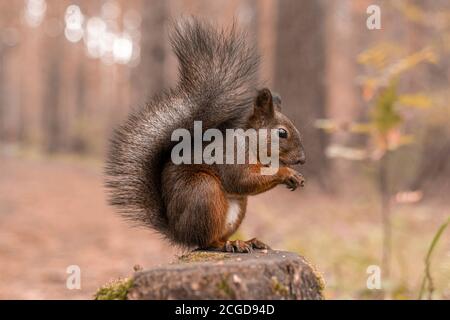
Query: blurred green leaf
(415, 100)
(380, 55)
(427, 54)
(384, 116)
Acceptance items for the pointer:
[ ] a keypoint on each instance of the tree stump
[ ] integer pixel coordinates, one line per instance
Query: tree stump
(264, 274)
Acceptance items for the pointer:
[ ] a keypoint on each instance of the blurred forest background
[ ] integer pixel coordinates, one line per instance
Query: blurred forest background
(373, 106)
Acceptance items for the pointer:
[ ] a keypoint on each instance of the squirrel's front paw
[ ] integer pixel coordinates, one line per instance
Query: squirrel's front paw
(293, 180)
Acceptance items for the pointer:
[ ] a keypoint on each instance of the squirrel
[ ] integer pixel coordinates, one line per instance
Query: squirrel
(200, 205)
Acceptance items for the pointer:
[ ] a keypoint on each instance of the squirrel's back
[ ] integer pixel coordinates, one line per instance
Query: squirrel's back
(217, 84)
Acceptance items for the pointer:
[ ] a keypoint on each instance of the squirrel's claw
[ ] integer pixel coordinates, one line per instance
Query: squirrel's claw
(295, 180)
(256, 244)
(228, 247)
(237, 246)
(232, 246)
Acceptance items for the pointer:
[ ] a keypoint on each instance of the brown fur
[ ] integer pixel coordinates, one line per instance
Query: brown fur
(197, 197)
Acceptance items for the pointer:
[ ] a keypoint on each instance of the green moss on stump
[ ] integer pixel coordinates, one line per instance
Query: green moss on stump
(202, 256)
(114, 290)
(279, 288)
(225, 289)
(318, 275)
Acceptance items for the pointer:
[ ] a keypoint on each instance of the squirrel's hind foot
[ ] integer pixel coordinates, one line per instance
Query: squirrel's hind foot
(238, 246)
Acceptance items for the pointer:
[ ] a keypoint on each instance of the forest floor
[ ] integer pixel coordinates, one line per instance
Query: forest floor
(53, 214)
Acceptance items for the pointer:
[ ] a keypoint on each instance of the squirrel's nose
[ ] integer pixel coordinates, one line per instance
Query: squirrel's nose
(302, 159)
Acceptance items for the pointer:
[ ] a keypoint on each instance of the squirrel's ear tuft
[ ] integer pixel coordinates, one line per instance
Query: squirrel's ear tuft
(264, 102)
(276, 101)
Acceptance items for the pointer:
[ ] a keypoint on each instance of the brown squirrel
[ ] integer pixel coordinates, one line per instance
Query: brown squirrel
(200, 205)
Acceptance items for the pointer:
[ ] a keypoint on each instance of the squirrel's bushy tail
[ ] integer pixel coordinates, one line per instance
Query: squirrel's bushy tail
(218, 71)
(217, 86)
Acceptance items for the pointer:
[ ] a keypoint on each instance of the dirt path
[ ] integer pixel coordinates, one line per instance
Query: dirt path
(53, 214)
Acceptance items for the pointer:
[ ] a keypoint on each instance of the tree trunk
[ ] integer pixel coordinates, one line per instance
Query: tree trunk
(300, 74)
(149, 77)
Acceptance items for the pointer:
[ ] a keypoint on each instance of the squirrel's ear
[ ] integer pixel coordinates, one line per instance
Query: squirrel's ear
(264, 102)
(276, 101)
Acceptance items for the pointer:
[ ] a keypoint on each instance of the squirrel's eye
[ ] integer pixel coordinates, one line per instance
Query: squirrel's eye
(282, 133)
